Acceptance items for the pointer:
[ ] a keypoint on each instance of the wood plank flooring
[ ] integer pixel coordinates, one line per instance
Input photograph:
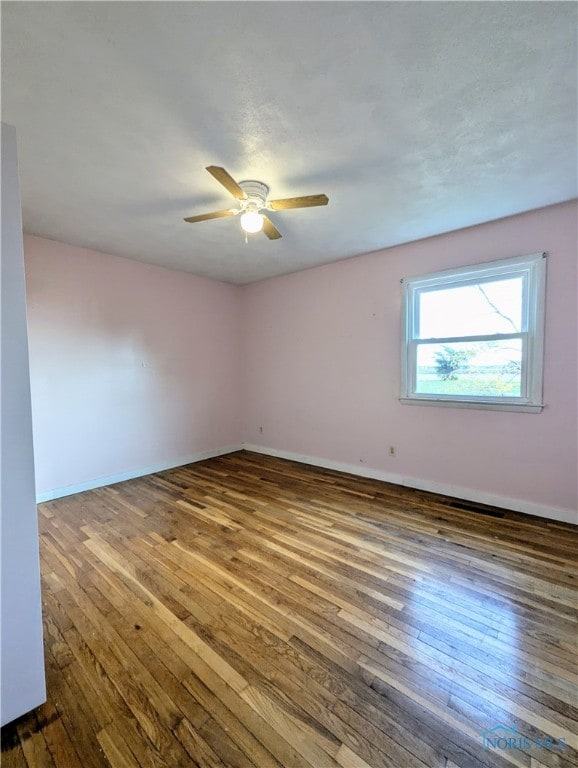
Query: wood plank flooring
(250, 612)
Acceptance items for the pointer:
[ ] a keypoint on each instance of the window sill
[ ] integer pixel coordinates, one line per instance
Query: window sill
(482, 405)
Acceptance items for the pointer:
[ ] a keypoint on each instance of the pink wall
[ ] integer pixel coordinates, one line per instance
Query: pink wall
(322, 372)
(132, 366)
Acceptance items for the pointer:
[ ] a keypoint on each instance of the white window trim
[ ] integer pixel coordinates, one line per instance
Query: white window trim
(533, 269)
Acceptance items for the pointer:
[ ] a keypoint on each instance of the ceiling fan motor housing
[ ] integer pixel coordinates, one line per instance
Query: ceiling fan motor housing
(256, 193)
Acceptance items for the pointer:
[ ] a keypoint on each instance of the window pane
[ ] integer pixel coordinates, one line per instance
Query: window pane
(474, 369)
(471, 310)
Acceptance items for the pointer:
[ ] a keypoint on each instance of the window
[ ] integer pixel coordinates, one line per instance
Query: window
(474, 336)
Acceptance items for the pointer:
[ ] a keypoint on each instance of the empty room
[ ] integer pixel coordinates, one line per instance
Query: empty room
(289, 471)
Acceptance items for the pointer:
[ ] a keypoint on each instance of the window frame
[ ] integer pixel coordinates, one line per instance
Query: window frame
(532, 269)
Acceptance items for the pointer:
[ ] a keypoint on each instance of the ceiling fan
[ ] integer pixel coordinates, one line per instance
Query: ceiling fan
(252, 197)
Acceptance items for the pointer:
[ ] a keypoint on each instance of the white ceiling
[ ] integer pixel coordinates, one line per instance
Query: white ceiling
(414, 118)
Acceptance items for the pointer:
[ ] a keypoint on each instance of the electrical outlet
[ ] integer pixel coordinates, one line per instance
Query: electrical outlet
(392, 450)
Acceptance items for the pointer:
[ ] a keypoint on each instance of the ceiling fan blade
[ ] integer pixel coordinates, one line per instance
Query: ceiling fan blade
(308, 201)
(214, 215)
(270, 229)
(227, 181)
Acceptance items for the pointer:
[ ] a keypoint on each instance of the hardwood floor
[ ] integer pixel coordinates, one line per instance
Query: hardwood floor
(251, 612)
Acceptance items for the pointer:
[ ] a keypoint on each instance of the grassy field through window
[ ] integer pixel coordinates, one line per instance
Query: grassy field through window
(489, 383)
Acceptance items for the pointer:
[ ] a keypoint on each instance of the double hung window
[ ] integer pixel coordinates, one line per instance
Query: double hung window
(474, 336)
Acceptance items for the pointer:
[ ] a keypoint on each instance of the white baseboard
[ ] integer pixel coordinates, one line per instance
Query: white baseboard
(560, 514)
(99, 482)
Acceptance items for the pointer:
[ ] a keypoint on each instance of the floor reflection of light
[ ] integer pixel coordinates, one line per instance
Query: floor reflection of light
(473, 628)
(478, 653)
(469, 645)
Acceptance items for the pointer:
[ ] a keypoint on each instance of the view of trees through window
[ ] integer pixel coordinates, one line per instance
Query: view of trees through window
(457, 350)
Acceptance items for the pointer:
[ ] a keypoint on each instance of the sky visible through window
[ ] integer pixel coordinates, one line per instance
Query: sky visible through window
(473, 310)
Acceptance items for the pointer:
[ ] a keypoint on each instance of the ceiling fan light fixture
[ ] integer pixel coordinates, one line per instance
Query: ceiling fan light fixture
(252, 222)
(253, 197)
